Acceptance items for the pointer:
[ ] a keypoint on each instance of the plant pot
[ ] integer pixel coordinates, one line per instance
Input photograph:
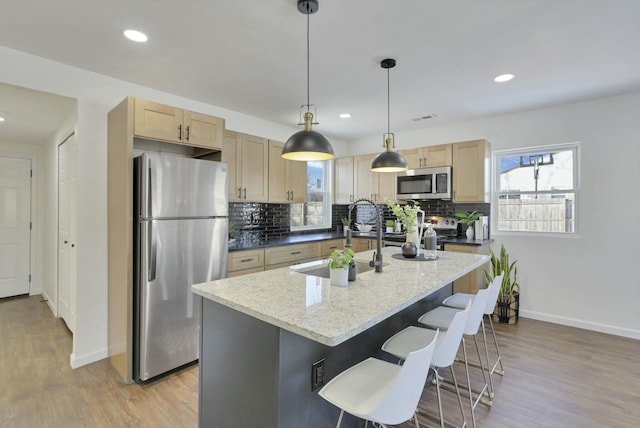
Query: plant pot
(339, 276)
(470, 232)
(409, 248)
(507, 308)
(389, 229)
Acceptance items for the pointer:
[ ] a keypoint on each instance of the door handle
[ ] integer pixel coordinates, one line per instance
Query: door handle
(179, 132)
(239, 192)
(292, 195)
(153, 247)
(188, 133)
(245, 193)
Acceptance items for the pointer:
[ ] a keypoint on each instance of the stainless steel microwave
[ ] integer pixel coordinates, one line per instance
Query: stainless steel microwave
(424, 183)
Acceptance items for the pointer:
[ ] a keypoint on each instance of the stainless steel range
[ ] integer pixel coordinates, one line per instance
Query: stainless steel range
(445, 227)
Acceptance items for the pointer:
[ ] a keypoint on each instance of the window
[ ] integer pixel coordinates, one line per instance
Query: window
(315, 213)
(536, 189)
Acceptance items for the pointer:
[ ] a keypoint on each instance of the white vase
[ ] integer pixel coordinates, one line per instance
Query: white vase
(470, 232)
(339, 276)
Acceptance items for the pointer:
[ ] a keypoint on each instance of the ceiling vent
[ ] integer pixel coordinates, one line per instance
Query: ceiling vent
(428, 116)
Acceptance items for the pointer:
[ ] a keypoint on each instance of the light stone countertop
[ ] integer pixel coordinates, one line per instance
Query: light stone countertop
(313, 308)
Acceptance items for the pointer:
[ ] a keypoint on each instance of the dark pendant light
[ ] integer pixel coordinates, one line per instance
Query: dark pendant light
(388, 161)
(307, 145)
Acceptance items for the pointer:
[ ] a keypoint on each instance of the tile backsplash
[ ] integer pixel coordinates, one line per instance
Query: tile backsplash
(252, 221)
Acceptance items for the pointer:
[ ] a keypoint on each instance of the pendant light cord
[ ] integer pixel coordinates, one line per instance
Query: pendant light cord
(388, 103)
(308, 85)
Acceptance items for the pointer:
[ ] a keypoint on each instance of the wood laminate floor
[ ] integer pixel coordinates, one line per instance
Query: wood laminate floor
(556, 376)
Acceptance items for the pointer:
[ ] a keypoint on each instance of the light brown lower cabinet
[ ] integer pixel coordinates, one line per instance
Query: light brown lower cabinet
(474, 280)
(363, 244)
(244, 262)
(288, 255)
(327, 247)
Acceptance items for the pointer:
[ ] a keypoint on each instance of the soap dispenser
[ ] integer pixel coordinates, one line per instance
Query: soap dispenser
(430, 242)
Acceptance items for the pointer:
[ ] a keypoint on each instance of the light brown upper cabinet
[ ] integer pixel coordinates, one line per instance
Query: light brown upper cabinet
(161, 122)
(287, 178)
(430, 156)
(471, 170)
(376, 186)
(353, 179)
(248, 159)
(343, 180)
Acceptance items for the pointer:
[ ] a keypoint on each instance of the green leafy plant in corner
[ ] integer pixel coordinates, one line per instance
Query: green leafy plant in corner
(501, 264)
(467, 218)
(390, 223)
(345, 221)
(340, 259)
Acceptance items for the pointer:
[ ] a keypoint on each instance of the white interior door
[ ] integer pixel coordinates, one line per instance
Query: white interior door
(15, 225)
(67, 232)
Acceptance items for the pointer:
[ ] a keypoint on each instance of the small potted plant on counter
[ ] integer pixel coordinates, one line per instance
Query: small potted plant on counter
(508, 306)
(339, 262)
(345, 225)
(390, 225)
(468, 218)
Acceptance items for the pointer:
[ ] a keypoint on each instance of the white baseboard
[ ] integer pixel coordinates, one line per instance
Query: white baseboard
(45, 296)
(587, 325)
(83, 360)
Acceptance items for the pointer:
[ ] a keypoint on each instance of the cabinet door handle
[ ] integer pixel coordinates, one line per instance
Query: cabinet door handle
(245, 193)
(187, 136)
(179, 132)
(293, 253)
(73, 245)
(239, 192)
(292, 195)
(246, 260)
(66, 242)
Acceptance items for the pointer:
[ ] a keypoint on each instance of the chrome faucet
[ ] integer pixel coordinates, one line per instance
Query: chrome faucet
(377, 255)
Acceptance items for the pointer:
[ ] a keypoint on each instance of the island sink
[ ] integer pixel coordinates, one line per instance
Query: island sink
(323, 270)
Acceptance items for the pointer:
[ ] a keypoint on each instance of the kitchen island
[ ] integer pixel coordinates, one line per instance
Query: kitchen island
(261, 333)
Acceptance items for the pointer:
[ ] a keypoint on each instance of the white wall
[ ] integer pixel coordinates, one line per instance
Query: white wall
(97, 95)
(592, 281)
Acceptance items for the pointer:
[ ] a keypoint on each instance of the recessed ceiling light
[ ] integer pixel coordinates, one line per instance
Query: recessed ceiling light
(504, 78)
(345, 115)
(136, 36)
(1, 119)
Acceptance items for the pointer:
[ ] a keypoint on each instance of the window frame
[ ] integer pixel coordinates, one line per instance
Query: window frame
(327, 202)
(575, 147)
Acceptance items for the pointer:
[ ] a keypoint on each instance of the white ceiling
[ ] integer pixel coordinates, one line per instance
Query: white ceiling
(249, 56)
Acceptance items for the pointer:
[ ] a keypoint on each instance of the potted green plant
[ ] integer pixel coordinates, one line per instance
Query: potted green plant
(390, 225)
(508, 306)
(345, 225)
(338, 263)
(468, 218)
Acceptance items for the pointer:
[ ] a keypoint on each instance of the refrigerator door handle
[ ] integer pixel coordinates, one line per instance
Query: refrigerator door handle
(153, 178)
(153, 247)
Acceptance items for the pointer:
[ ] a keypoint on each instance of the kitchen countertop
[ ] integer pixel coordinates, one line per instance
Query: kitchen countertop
(311, 307)
(287, 240)
(465, 241)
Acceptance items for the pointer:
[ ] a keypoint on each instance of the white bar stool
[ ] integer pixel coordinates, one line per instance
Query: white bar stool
(405, 341)
(441, 317)
(379, 391)
(459, 300)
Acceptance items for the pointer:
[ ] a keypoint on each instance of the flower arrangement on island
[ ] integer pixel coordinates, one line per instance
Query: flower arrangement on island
(407, 214)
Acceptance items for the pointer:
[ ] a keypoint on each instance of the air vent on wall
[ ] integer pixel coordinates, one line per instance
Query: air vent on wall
(428, 116)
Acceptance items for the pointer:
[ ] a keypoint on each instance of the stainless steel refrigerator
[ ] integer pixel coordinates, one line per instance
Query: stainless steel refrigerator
(181, 224)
